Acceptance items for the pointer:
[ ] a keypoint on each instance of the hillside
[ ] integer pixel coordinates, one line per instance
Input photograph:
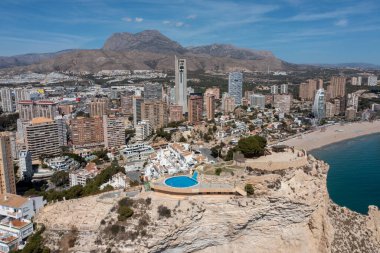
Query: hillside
(148, 50)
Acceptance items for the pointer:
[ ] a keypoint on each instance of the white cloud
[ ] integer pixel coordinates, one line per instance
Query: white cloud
(192, 16)
(127, 19)
(179, 24)
(166, 22)
(341, 22)
(138, 20)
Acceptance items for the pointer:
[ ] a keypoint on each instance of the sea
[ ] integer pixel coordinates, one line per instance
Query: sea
(353, 180)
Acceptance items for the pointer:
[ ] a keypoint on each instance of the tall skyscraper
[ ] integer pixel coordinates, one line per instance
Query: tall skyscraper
(228, 104)
(6, 100)
(98, 107)
(25, 165)
(258, 101)
(7, 177)
(181, 83)
(319, 104)
(307, 90)
(21, 94)
(274, 89)
(87, 132)
(195, 108)
(136, 102)
(152, 91)
(337, 87)
(155, 112)
(42, 138)
(114, 131)
(126, 103)
(284, 88)
(62, 130)
(210, 106)
(235, 86)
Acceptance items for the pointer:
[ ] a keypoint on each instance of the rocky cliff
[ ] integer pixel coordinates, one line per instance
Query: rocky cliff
(290, 212)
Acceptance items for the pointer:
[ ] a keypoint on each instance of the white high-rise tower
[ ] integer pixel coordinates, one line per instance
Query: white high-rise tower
(181, 83)
(319, 104)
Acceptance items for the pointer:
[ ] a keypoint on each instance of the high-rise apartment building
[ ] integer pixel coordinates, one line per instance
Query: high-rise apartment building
(354, 80)
(181, 83)
(114, 131)
(7, 177)
(282, 102)
(307, 90)
(62, 130)
(337, 87)
(152, 91)
(98, 107)
(359, 80)
(87, 132)
(175, 113)
(42, 138)
(258, 101)
(274, 89)
(215, 91)
(372, 81)
(25, 165)
(126, 104)
(29, 109)
(143, 130)
(228, 104)
(330, 110)
(6, 100)
(319, 104)
(235, 86)
(136, 102)
(156, 112)
(248, 94)
(353, 101)
(284, 88)
(210, 106)
(21, 94)
(195, 108)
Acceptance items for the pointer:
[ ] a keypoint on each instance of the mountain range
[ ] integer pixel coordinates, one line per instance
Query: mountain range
(148, 49)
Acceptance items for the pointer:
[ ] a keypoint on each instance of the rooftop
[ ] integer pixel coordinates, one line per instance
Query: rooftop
(12, 200)
(40, 120)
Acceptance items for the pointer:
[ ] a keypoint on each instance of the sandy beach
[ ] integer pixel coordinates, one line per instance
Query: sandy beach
(333, 134)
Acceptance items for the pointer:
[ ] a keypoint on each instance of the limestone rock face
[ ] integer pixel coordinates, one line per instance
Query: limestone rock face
(295, 216)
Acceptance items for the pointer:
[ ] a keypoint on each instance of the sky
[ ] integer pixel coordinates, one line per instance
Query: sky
(297, 31)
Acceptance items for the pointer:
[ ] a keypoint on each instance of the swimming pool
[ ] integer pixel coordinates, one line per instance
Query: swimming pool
(181, 182)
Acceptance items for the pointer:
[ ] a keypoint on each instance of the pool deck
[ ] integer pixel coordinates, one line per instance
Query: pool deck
(201, 188)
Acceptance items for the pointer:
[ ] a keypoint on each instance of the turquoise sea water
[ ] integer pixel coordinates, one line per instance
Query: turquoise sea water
(354, 176)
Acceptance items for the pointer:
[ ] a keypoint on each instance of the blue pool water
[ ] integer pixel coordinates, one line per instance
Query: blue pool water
(181, 182)
(354, 176)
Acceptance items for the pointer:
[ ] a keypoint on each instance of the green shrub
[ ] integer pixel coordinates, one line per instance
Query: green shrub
(163, 211)
(218, 171)
(124, 213)
(249, 189)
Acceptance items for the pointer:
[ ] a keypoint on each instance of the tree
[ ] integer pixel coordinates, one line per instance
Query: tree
(218, 171)
(252, 146)
(249, 189)
(60, 178)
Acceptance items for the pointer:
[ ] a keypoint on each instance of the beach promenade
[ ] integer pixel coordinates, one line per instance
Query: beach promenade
(332, 134)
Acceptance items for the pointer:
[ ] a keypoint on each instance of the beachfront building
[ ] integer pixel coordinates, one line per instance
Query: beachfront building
(319, 104)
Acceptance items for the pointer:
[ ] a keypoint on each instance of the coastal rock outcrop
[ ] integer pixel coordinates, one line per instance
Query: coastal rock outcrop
(295, 216)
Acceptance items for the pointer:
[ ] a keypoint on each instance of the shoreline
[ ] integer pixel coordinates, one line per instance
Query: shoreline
(333, 134)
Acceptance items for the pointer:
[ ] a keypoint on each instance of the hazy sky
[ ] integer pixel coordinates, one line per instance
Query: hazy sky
(298, 31)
